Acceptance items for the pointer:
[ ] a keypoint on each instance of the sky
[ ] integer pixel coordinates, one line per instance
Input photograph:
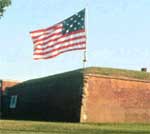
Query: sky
(118, 36)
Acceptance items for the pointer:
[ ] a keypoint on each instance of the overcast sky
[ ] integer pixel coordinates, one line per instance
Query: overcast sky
(118, 36)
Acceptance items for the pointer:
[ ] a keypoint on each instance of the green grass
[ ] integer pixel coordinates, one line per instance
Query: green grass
(28, 127)
(118, 73)
(123, 73)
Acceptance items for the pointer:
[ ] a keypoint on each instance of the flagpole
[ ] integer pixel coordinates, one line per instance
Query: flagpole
(86, 30)
(84, 59)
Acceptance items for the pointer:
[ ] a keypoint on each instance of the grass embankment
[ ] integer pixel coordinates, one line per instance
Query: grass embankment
(120, 73)
(123, 73)
(28, 127)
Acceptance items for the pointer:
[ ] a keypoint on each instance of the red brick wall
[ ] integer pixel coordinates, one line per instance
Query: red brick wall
(6, 84)
(115, 100)
(54, 98)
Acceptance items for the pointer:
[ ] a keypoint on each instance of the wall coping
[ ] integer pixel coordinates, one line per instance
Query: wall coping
(8, 80)
(118, 78)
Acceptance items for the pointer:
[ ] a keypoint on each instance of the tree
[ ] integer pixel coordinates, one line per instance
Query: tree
(3, 5)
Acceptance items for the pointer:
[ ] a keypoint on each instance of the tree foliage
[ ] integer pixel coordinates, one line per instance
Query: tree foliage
(3, 5)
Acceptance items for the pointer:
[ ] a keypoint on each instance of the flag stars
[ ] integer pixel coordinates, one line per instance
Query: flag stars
(79, 23)
(71, 18)
(71, 25)
(74, 23)
(75, 28)
(67, 31)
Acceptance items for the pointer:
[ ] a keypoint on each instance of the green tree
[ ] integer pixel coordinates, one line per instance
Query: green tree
(3, 5)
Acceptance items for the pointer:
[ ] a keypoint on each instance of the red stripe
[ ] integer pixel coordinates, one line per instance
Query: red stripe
(65, 35)
(59, 48)
(54, 27)
(61, 42)
(45, 33)
(36, 37)
(37, 31)
(46, 29)
(61, 53)
(45, 38)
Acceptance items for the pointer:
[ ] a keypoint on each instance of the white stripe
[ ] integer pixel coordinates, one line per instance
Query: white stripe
(39, 44)
(57, 52)
(62, 45)
(36, 34)
(44, 31)
(44, 41)
(44, 35)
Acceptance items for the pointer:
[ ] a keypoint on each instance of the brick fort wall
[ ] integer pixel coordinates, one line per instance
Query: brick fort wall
(108, 99)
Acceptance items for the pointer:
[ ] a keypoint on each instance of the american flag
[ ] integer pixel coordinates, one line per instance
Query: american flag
(65, 36)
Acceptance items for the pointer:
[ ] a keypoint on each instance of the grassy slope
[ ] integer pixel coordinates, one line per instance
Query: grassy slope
(26, 127)
(118, 73)
(123, 73)
(52, 78)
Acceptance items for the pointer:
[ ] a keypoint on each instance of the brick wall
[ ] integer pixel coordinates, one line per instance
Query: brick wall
(8, 83)
(4, 84)
(54, 98)
(107, 99)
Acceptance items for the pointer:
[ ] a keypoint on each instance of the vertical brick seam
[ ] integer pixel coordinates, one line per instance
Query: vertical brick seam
(83, 115)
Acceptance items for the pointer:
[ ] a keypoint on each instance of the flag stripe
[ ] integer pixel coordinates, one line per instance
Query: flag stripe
(64, 45)
(40, 31)
(62, 41)
(77, 44)
(54, 55)
(45, 39)
(57, 38)
(74, 41)
(47, 35)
